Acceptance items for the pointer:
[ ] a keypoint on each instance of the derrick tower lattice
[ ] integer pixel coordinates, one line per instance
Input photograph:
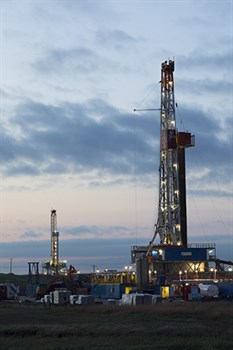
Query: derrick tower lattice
(171, 222)
(54, 239)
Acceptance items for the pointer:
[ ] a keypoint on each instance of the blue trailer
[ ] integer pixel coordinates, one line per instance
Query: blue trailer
(108, 291)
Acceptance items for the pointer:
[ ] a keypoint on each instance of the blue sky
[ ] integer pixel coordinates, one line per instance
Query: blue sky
(71, 74)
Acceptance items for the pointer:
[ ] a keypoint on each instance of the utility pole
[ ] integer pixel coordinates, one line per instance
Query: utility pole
(11, 265)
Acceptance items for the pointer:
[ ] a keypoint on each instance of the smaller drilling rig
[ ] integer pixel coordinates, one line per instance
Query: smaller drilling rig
(54, 240)
(173, 253)
(54, 266)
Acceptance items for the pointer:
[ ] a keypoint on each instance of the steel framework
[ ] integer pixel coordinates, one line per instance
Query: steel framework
(54, 240)
(171, 222)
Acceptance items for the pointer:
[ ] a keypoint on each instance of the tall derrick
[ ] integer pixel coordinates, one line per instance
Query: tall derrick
(171, 224)
(54, 266)
(173, 254)
(54, 240)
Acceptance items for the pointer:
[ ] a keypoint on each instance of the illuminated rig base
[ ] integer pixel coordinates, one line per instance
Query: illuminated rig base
(193, 261)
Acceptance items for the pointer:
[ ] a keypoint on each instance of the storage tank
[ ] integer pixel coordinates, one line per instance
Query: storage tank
(210, 290)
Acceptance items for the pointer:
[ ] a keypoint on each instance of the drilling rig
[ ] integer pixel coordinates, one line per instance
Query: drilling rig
(171, 225)
(54, 266)
(54, 240)
(173, 253)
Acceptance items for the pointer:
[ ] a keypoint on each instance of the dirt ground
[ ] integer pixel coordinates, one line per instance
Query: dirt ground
(202, 326)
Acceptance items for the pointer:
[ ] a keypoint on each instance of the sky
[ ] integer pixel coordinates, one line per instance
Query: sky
(71, 74)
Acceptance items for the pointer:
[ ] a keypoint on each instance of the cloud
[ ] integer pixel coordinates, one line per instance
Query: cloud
(30, 234)
(213, 148)
(84, 253)
(210, 62)
(86, 232)
(85, 247)
(207, 87)
(95, 136)
(85, 63)
(81, 60)
(115, 38)
(96, 231)
(224, 244)
(68, 138)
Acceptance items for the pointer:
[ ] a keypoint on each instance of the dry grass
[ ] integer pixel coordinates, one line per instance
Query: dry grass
(173, 326)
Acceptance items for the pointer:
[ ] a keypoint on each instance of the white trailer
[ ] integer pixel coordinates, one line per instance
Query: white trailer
(74, 299)
(210, 290)
(86, 300)
(60, 296)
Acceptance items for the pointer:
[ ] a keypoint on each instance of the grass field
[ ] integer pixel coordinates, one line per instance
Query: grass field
(199, 326)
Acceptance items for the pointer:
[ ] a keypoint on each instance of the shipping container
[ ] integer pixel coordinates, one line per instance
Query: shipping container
(60, 296)
(225, 289)
(85, 300)
(139, 299)
(108, 291)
